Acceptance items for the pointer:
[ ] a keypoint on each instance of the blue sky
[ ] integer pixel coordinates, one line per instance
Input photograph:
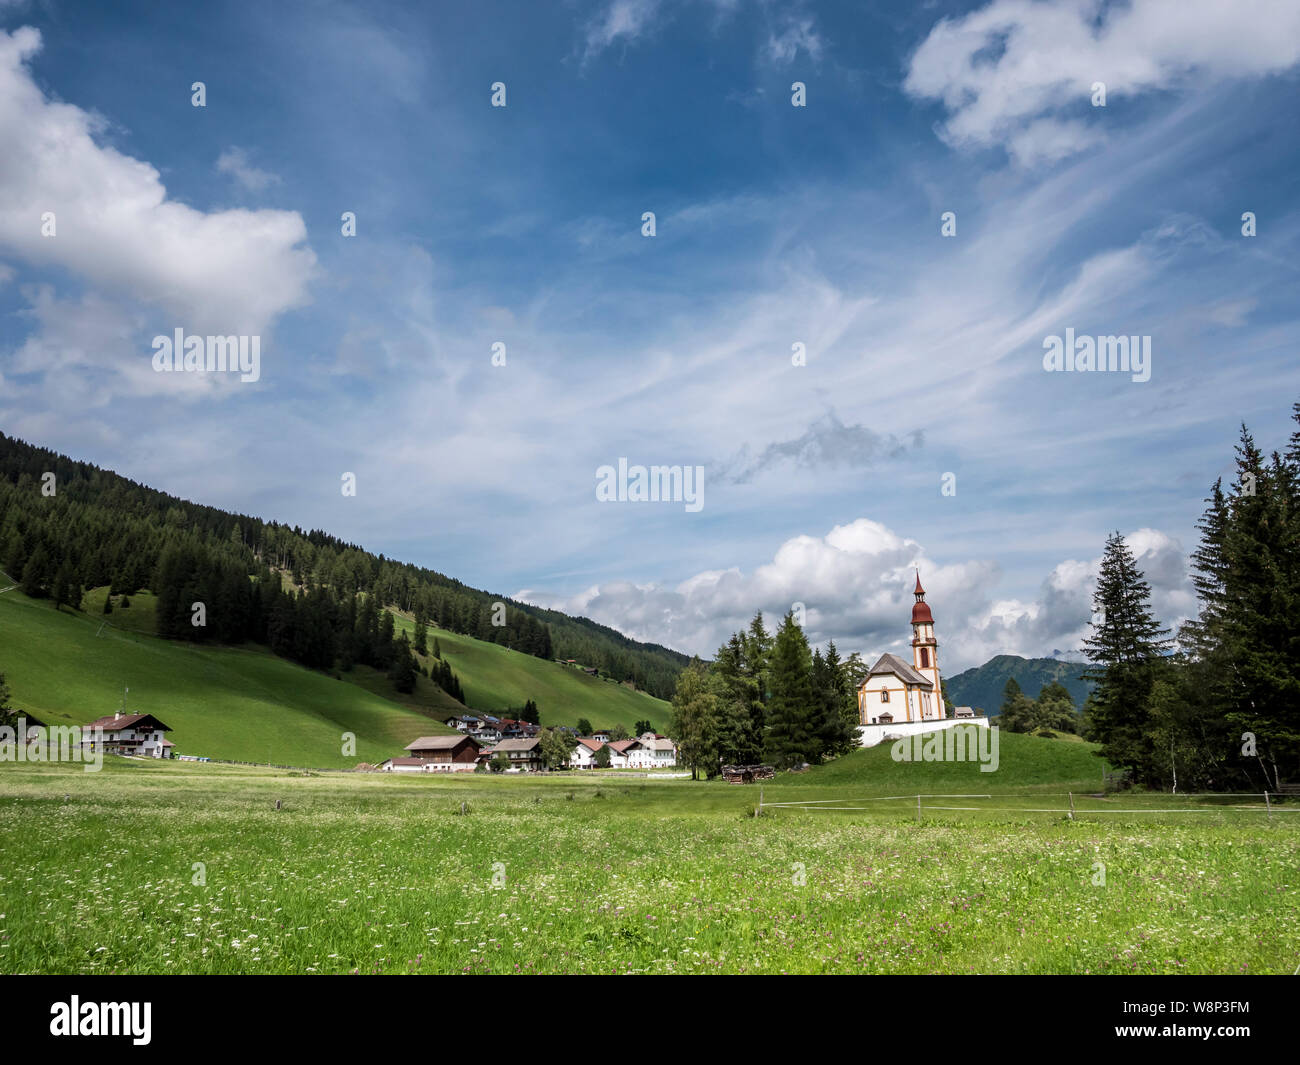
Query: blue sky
(776, 225)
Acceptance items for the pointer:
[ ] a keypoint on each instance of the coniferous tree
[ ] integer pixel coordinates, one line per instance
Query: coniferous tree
(1126, 648)
(791, 738)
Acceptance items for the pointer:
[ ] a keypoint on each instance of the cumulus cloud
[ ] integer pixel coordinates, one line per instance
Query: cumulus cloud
(855, 584)
(214, 272)
(1011, 72)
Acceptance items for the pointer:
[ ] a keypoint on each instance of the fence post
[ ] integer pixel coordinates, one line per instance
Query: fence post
(918, 809)
(759, 809)
(1071, 806)
(1268, 806)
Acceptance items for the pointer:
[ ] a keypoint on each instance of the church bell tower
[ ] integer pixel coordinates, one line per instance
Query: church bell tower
(925, 653)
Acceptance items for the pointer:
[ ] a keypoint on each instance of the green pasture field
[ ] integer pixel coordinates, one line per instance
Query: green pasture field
(151, 867)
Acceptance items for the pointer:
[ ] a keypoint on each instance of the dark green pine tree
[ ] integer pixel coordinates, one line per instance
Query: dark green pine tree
(36, 573)
(1017, 711)
(738, 738)
(839, 727)
(1251, 603)
(791, 738)
(61, 590)
(1127, 649)
(402, 673)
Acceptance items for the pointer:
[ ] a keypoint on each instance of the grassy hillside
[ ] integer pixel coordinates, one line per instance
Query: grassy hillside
(235, 703)
(1023, 762)
(982, 686)
(494, 678)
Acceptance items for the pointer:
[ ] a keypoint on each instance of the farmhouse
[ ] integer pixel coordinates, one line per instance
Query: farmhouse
(446, 754)
(138, 734)
(525, 753)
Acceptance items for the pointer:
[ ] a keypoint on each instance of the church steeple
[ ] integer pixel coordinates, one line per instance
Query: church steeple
(925, 649)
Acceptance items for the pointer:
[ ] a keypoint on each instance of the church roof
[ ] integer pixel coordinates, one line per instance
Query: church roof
(893, 664)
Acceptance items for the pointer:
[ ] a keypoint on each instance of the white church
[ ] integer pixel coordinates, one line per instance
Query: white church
(897, 699)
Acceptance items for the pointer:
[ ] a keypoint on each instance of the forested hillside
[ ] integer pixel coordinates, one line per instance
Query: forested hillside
(66, 526)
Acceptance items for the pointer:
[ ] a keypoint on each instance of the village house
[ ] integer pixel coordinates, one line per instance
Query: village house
(488, 730)
(137, 734)
(652, 752)
(446, 754)
(584, 754)
(619, 750)
(525, 754)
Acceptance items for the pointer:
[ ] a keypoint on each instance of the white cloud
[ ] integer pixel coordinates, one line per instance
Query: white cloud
(235, 162)
(622, 20)
(1007, 72)
(798, 35)
(218, 272)
(856, 586)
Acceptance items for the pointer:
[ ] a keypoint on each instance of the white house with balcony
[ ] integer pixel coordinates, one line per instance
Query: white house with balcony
(142, 735)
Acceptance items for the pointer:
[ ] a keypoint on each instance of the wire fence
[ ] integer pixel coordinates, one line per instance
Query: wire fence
(1267, 804)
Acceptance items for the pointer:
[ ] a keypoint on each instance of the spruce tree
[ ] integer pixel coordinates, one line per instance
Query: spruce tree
(1126, 648)
(791, 738)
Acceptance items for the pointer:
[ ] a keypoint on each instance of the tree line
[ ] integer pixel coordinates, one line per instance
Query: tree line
(66, 526)
(1217, 707)
(765, 698)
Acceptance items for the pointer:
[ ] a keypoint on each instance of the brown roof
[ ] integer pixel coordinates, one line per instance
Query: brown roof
(440, 743)
(590, 744)
(114, 722)
(517, 745)
(623, 745)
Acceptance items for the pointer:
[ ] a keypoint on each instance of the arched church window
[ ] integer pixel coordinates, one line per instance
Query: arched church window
(925, 658)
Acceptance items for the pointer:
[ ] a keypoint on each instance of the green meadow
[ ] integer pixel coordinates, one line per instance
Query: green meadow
(245, 704)
(151, 867)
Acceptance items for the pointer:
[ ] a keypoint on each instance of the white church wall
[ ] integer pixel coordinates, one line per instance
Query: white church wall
(872, 735)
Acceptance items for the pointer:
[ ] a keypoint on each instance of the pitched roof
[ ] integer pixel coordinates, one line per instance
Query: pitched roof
(440, 743)
(115, 722)
(893, 664)
(622, 745)
(517, 745)
(590, 744)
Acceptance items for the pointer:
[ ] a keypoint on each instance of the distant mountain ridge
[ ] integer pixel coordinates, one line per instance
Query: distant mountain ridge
(982, 686)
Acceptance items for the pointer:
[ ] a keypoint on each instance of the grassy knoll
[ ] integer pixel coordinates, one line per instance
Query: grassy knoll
(375, 873)
(238, 703)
